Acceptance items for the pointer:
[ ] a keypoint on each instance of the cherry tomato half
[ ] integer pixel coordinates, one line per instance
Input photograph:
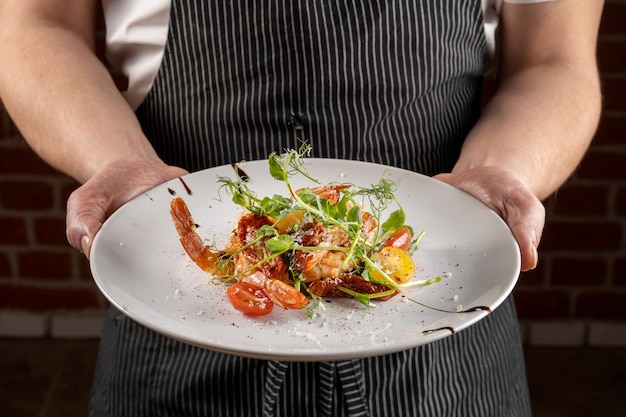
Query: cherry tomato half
(396, 262)
(249, 299)
(401, 238)
(291, 220)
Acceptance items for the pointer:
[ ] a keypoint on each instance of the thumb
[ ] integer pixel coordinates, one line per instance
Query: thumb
(511, 200)
(84, 220)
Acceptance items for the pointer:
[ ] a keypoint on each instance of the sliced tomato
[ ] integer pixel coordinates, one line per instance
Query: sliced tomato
(401, 238)
(291, 220)
(396, 262)
(249, 299)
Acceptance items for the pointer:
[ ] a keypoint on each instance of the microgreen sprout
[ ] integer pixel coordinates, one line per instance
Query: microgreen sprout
(345, 214)
(366, 298)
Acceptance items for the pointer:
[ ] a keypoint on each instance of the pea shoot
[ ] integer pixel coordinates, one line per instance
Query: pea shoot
(345, 214)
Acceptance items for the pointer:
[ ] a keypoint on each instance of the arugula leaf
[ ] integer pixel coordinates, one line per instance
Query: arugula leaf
(265, 230)
(280, 244)
(395, 221)
(346, 215)
(275, 205)
(277, 170)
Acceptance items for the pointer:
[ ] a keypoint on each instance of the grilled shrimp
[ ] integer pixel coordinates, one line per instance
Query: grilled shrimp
(194, 245)
(320, 264)
(281, 293)
(332, 193)
(330, 265)
(267, 276)
(272, 276)
(314, 234)
(246, 232)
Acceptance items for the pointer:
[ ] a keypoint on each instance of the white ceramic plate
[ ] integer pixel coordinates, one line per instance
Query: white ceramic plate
(140, 267)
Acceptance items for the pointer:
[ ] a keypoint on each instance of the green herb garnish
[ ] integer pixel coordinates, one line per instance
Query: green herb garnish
(345, 214)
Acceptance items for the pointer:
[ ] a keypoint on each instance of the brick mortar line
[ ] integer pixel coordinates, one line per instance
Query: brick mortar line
(618, 289)
(612, 75)
(58, 184)
(612, 114)
(12, 140)
(588, 326)
(36, 247)
(46, 283)
(576, 180)
(14, 252)
(526, 326)
(580, 253)
(611, 37)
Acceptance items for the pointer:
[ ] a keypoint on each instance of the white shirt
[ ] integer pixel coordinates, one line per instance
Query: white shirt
(137, 34)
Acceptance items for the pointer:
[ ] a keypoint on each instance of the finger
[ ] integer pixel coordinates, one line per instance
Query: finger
(526, 218)
(515, 203)
(83, 220)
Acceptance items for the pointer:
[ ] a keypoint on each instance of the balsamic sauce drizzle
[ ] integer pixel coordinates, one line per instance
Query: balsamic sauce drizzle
(240, 172)
(451, 329)
(189, 192)
(468, 310)
(244, 177)
(477, 308)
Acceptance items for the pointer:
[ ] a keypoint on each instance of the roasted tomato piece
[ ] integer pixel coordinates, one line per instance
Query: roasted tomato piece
(401, 238)
(249, 299)
(330, 287)
(290, 222)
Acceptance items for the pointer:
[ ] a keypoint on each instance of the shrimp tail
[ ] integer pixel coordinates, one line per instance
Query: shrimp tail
(191, 241)
(284, 295)
(281, 293)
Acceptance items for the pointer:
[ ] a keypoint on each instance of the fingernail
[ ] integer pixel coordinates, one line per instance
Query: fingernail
(84, 244)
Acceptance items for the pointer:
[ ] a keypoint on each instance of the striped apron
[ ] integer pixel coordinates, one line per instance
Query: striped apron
(393, 82)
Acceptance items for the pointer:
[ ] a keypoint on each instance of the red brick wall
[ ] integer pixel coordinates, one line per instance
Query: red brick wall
(38, 269)
(582, 270)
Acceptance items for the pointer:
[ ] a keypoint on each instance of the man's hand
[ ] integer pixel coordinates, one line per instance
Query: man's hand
(92, 203)
(511, 199)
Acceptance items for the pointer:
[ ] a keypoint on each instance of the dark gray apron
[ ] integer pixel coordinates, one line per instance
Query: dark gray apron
(393, 82)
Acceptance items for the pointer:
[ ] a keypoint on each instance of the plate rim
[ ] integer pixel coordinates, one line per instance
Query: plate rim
(266, 354)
